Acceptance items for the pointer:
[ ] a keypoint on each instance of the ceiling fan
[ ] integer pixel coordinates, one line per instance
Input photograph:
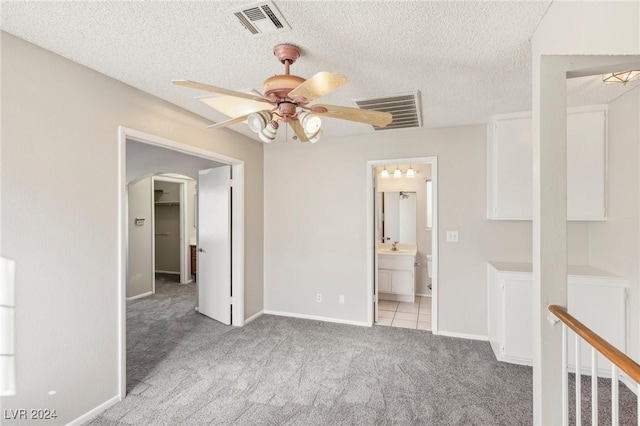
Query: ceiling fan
(286, 98)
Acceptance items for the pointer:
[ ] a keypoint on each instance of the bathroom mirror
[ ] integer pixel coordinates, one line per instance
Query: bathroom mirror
(399, 217)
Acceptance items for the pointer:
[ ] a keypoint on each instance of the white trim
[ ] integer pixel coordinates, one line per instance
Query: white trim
(237, 241)
(253, 317)
(423, 295)
(464, 336)
(371, 243)
(316, 318)
(237, 266)
(93, 413)
(159, 271)
(628, 382)
(140, 296)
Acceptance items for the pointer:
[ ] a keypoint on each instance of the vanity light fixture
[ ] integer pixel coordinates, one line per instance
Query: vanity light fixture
(384, 173)
(621, 77)
(411, 173)
(397, 173)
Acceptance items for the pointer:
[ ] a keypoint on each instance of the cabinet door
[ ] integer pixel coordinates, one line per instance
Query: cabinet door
(512, 169)
(402, 282)
(586, 152)
(384, 281)
(518, 317)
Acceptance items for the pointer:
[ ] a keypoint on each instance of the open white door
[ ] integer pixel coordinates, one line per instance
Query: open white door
(377, 227)
(214, 243)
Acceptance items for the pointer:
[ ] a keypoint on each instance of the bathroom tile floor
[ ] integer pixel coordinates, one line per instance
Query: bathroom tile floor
(416, 315)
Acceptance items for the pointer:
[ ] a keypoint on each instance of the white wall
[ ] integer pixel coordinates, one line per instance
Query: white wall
(60, 218)
(140, 202)
(316, 232)
(613, 245)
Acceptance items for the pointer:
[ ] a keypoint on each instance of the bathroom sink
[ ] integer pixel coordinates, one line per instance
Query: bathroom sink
(410, 252)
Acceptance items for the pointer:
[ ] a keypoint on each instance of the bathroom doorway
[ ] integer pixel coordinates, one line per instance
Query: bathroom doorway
(402, 243)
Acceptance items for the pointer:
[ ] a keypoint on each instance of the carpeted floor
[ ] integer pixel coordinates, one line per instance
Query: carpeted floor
(184, 368)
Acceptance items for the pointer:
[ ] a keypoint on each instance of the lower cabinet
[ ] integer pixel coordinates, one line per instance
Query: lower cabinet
(595, 298)
(396, 277)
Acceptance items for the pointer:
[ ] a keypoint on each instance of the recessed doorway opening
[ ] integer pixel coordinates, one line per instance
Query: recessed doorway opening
(402, 242)
(220, 236)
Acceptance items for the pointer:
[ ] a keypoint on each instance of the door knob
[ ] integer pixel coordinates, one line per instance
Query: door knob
(201, 250)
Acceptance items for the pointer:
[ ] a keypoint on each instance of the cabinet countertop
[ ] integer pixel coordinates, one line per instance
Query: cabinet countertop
(573, 270)
(400, 252)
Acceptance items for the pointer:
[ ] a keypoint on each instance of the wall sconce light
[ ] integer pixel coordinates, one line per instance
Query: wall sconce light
(397, 173)
(411, 173)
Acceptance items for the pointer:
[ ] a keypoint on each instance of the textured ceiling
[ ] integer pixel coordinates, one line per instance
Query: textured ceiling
(468, 59)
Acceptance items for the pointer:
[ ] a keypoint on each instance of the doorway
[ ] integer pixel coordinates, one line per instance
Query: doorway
(174, 226)
(165, 156)
(385, 229)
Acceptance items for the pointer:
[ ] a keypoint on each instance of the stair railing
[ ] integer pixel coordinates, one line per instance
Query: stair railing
(619, 361)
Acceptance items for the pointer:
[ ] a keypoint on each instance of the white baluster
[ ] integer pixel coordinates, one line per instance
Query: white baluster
(594, 387)
(638, 403)
(614, 394)
(578, 381)
(565, 378)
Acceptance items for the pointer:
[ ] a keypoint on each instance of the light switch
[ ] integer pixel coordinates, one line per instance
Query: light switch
(452, 236)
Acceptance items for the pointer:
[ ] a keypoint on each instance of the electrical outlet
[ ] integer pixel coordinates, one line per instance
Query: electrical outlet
(341, 299)
(452, 236)
(318, 298)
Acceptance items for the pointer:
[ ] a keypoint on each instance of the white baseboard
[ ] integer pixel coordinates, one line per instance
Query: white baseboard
(628, 382)
(317, 318)
(158, 271)
(90, 415)
(252, 317)
(464, 336)
(423, 294)
(140, 296)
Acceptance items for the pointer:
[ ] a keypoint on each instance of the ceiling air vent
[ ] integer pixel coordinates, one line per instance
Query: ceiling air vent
(405, 109)
(261, 18)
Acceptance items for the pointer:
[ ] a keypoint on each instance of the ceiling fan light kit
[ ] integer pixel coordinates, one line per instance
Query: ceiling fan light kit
(286, 98)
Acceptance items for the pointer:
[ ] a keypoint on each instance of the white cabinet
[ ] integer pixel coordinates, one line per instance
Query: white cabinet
(396, 277)
(596, 298)
(510, 165)
(384, 281)
(510, 315)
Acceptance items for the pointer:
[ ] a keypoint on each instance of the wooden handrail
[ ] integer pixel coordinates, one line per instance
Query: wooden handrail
(622, 361)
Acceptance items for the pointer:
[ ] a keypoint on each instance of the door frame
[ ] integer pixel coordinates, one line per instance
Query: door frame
(372, 276)
(185, 277)
(237, 229)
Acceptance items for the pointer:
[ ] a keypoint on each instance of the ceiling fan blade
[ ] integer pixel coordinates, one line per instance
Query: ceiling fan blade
(375, 118)
(319, 85)
(228, 122)
(214, 89)
(299, 131)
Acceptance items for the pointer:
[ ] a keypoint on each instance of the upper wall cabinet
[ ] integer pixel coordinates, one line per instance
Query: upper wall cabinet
(510, 165)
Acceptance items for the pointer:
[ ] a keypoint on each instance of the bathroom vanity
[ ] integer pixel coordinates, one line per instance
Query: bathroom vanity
(396, 272)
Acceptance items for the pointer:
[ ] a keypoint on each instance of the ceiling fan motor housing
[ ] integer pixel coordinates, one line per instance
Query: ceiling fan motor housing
(277, 88)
